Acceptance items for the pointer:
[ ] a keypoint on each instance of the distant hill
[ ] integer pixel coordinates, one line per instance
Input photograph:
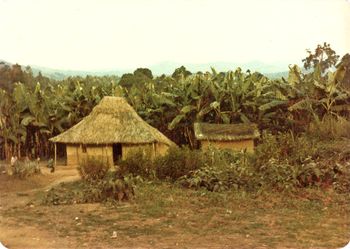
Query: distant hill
(59, 74)
(278, 75)
(168, 67)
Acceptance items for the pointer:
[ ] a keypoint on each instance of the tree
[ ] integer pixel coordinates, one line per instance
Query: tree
(143, 72)
(324, 57)
(137, 79)
(181, 71)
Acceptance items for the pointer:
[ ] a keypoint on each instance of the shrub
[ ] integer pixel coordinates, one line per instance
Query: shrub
(112, 187)
(286, 161)
(24, 169)
(137, 163)
(93, 168)
(178, 162)
(225, 170)
(342, 176)
(330, 127)
(284, 146)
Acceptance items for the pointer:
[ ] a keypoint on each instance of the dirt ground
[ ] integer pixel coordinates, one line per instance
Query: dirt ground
(17, 193)
(163, 216)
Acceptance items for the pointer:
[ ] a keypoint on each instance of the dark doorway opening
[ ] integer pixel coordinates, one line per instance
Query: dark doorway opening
(117, 152)
(61, 154)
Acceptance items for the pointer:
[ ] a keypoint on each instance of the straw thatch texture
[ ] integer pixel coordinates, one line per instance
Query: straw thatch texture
(225, 132)
(113, 120)
(239, 145)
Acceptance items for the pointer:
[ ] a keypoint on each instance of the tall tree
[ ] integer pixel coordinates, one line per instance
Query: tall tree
(324, 57)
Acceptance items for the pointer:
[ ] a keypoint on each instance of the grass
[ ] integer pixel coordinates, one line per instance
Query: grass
(163, 215)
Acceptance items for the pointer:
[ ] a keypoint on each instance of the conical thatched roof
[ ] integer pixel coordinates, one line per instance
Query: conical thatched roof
(113, 120)
(225, 132)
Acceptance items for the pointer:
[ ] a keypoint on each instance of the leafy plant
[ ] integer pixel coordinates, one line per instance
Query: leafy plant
(112, 187)
(178, 162)
(330, 127)
(287, 161)
(24, 169)
(223, 170)
(138, 163)
(93, 168)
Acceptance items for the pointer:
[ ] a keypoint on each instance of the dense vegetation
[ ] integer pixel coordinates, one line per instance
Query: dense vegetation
(33, 109)
(213, 197)
(282, 162)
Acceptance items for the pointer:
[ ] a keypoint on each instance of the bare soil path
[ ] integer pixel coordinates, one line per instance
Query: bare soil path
(165, 216)
(17, 194)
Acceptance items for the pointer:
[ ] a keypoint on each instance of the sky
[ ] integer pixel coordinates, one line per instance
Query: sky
(120, 34)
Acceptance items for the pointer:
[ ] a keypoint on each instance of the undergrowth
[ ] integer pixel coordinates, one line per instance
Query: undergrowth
(99, 184)
(282, 162)
(24, 169)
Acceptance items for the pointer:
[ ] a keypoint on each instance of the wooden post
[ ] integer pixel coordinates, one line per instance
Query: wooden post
(55, 155)
(154, 150)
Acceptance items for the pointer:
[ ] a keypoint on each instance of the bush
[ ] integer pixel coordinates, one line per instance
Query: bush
(330, 127)
(112, 187)
(93, 168)
(137, 164)
(285, 146)
(98, 184)
(178, 162)
(224, 170)
(24, 169)
(286, 161)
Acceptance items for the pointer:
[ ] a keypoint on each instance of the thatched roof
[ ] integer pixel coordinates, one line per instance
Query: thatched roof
(113, 120)
(225, 132)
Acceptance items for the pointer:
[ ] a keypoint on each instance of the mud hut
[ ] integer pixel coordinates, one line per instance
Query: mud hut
(111, 131)
(226, 136)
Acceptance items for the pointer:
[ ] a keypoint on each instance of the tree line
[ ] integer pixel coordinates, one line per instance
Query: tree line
(35, 108)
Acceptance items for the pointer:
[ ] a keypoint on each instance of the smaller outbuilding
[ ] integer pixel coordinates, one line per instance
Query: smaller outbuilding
(226, 136)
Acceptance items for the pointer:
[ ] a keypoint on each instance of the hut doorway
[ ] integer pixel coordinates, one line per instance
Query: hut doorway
(61, 154)
(117, 152)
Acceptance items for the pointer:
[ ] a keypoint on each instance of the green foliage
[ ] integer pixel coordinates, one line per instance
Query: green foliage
(330, 127)
(138, 163)
(178, 162)
(181, 72)
(24, 169)
(93, 168)
(324, 56)
(99, 184)
(284, 146)
(112, 187)
(286, 162)
(37, 108)
(281, 162)
(145, 72)
(138, 79)
(224, 170)
(343, 72)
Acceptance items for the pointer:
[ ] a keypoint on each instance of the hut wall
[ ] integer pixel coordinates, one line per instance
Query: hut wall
(101, 152)
(233, 145)
(72, 154)
(161, 149)
(128, 149)
(76, 155)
